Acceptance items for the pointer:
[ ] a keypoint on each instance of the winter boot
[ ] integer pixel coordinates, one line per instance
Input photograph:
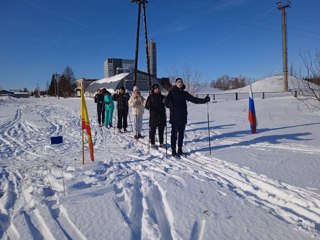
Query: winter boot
(174, 153)
(180, 152)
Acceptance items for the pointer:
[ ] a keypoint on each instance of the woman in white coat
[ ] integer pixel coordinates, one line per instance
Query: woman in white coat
(136, 102)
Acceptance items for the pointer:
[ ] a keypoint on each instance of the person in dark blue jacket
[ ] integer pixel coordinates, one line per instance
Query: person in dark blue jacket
(122, 99)
(157, 115)
(99, 100)
(176, 100)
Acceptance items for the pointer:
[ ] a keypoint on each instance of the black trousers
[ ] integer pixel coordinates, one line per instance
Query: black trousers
(100, 110)
(152, 134)
(177, 132)
(122, 118)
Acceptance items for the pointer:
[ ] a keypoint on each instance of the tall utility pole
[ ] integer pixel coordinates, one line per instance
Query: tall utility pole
(282, 7)
(141, 4)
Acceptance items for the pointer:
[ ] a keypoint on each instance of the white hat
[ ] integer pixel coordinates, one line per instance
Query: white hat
(135, 88)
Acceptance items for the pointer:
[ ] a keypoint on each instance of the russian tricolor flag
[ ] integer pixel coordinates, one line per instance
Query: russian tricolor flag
(252, 113)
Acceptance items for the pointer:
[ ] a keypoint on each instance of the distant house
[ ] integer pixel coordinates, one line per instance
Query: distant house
(6, 93)
(86, 83)
(21, 94)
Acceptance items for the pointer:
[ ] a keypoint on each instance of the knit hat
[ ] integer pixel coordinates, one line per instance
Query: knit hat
(154, 86)
(135, 88)
(179, 79)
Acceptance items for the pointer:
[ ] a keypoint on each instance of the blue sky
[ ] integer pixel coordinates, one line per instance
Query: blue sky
(215, 37)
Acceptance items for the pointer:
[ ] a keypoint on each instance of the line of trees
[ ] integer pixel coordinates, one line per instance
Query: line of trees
(62, 85)
(226, 82)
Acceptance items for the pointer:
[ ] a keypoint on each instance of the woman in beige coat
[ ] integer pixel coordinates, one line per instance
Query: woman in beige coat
(136, 102)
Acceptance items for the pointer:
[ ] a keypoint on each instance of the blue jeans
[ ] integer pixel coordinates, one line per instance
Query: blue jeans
(177, 132)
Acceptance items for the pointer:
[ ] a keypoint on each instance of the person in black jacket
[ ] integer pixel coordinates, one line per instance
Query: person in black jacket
(99, 100)
(177, 102)
(157, 118)
(122, 98)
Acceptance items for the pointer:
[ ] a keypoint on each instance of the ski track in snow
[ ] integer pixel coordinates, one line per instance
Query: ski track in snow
(134, 175)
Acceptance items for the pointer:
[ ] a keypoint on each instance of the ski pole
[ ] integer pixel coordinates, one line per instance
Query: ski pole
(130, 120)
(166, 135)
(136, 125)
(208, 127)
(115, 120)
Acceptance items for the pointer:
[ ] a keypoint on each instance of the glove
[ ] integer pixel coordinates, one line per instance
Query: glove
(207, 98)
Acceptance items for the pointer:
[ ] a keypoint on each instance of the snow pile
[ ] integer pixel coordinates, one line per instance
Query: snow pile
(269, 84)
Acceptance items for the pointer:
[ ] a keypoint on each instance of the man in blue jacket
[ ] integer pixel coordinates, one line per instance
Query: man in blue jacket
(99, 100)
(177, 102)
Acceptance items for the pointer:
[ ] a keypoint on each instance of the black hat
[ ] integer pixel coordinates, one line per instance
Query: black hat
(154, 86)
(179, 79)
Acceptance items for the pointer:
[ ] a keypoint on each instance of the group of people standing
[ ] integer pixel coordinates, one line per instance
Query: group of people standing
(105, 107)
(156, 103)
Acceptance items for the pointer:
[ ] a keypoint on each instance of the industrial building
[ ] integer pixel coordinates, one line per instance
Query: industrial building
(120, 72)
(115, 66)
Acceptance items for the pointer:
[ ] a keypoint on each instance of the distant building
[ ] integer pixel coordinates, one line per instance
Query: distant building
(5, 93)
(120, 72)
(21, 94)
(114, 66)
(85, 82)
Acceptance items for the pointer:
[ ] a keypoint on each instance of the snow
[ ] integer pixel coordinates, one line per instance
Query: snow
(104, 82)
(252, 186)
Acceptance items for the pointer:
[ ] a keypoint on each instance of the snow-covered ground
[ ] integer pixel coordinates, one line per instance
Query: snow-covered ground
(251, 186)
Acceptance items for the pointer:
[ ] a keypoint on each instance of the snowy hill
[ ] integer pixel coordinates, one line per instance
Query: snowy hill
(269, 84)
(251, 186)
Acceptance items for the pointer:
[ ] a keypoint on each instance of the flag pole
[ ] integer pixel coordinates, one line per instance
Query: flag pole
(208, 127)
(85, 125)
(81, 123)
(82, 148)
(252, 113)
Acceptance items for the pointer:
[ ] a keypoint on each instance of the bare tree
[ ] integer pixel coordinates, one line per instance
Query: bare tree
(309, 86)
(193, 78)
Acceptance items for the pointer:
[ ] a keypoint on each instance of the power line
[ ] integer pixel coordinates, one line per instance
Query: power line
(251, 24)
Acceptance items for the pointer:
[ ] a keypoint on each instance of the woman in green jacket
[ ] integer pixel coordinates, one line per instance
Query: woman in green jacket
(109, 107)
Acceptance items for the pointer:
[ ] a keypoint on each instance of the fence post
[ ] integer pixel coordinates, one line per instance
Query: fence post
(213, 97)
(295, 94)
(236, 96)
(262, 95)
